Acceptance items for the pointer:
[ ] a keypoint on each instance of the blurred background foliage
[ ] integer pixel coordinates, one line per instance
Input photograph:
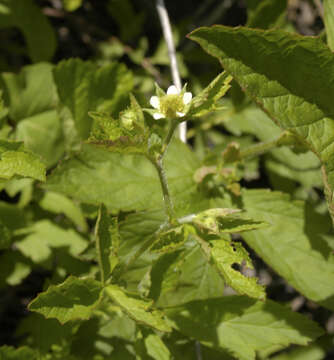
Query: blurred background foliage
(129, 31)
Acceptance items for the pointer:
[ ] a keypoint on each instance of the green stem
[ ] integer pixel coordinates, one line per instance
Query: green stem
(173, 125)
(258, 149)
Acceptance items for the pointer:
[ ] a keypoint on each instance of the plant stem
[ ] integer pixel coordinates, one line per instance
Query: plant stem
(258, 149)
(167, 31)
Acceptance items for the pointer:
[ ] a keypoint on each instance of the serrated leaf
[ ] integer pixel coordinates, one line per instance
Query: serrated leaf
(125, 182)
(296, 248)
(206, 101)
(268, 66)
(139, 310)
(221, 220)
(21, 353)
(83, 87)
(107, 243)
(72, 300)
(183, 276)
(58, 204)
(22, 164)
(171, 240)
(329, 22)
(224, 254)
(28, 17)
(243, 326)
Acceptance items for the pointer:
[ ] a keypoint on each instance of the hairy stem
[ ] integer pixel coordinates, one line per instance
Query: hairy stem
(258, 149)
(167, 31)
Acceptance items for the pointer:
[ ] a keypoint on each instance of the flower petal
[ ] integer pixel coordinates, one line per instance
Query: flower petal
(180, 114)
(155, 102)
(187, 98)
(158, 116)
(172, 90)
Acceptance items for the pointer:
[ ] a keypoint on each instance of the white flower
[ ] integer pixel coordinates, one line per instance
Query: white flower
(172, 104)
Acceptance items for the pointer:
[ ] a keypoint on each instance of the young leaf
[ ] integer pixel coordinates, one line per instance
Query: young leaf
(40, 36)
(139, 310)
(73, 299)
(107, 242)
(207, 100)
(243, 326)
(296, 248)
(268, 66)
(83, 87)
(156, 348)
(224, 254)
(221, 220)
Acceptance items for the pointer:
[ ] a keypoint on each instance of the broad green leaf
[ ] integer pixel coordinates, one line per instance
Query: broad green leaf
(43, 235)
(83, 87)
(107, 243)
(137, 309)
(58, 204)
(268, 14)
(224, 254)
(28, 17)
(329, 22)
(29, 93)
(42, 134)
(242, 325)
(183, 276)
(156, 348)
(71, 5)
(72, 300)
(125, 182)
(207, 100)
(21, 164)
(170, 240)
(21, 353)
(271, 67)
(221, 220)
(294, 244)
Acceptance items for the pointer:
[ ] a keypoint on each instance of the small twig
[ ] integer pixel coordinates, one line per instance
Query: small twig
(167, 31)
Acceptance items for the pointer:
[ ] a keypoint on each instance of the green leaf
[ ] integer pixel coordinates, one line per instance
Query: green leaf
(170, 240)
(31, 92)
(13, 268)
(22, 353)
(224, 254)
(139, 310)
(271, 67)
(107, 243)
(183, 276)
(125, 182)
(221, 220)
(72, 5)
(60, 204)
(294, 245)
(28, 17)
(268, 14)
(243, 326)
(156, 348)
(329, 22)
(43, 235)
(22, 164)
(83, 87)
(72, 300)
(5, 236)
(206, 101)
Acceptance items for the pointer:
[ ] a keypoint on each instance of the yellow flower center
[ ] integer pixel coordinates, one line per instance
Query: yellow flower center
(170, 104)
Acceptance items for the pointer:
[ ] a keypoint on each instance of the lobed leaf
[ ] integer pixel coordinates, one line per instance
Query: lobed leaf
(72, 300)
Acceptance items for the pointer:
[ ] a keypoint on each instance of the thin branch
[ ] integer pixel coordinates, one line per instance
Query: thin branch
(167, 31)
